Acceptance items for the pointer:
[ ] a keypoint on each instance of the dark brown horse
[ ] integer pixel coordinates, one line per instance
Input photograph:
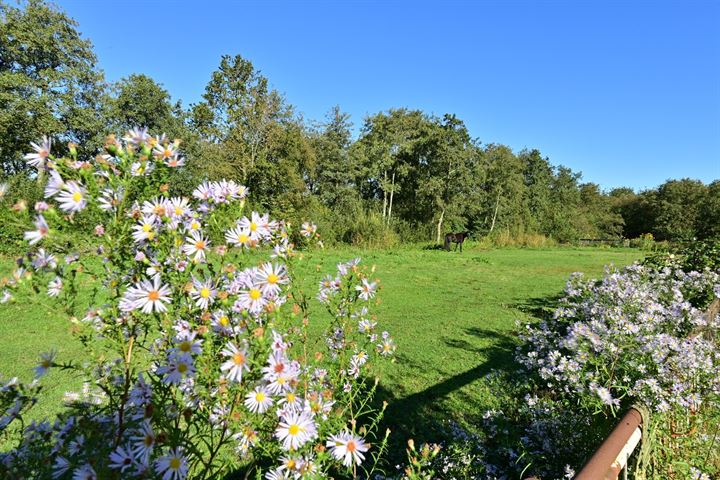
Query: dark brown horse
(456, 238)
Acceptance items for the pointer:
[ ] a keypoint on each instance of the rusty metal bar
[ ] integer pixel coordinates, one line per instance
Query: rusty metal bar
(611, 457)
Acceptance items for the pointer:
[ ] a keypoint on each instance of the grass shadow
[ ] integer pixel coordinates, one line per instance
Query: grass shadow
(541, 308)
(421, 415)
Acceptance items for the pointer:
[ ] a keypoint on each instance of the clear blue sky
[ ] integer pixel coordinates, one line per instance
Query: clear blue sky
(628, 92)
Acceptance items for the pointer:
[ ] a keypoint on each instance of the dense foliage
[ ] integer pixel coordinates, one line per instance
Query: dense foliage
(407, 176)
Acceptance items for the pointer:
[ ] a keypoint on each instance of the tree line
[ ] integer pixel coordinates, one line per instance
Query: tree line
(407, 174)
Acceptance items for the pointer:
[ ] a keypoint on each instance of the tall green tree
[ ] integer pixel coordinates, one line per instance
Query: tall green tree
(336, 172)
(239, 114)
(506, 205)
(139, 101)
(678, 203)
(49, 82)
(538, 174)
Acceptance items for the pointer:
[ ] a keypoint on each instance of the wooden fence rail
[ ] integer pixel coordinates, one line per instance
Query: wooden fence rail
(611, 457)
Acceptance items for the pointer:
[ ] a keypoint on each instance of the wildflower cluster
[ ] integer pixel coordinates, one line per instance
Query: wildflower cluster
(203, 359)
(633, 335)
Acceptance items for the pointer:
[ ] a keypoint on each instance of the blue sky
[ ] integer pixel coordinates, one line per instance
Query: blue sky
(628, 92)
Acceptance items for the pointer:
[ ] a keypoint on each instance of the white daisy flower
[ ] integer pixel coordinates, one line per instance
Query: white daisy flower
(138, 169)
(367, 289)
(121, 460)
(84, 472)
(55, 286)
(221, 323)
(278, 474)
(295, 430)
(187, 344)
(259, 400)
(145, 230)
(179, 207)
(158, 207)
(137, 136)
(196, 246)
(269, 277)
(237, 363)
(54, 185)
(42, 151)
(110, 199)
(72, 198)
(347, 447)
(144, 442)
(164, 151)
(203, 191)
(308, 229)
(147, 296)
(203, 293)
(251, 300)
(257, 225)
(240, 237)
(40, 232)
(172, 466)
(193, 225)
(179, 368)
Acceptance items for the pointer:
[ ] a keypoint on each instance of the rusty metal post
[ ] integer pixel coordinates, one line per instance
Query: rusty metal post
(611, 457)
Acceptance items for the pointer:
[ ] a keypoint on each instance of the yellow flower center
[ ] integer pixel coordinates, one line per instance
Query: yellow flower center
(272, 278)
(259, 396)
(153, 295)
(77, 197)
(146, 228)
(253, 226)
(294, 429)
(255, 294)
(167, 152)
(185, 346)
(174, 464)
(243, 238)
(205, 292)
(239, 359)
(151, 235)
(182, 368)
(195, 225)
(200, 245)
(178, 211)
(291, 397)
(224, 321)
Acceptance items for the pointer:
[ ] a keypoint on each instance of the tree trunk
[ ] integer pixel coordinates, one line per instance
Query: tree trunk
(497, 205)
(439, 227)
(384, 195)
(392, 192)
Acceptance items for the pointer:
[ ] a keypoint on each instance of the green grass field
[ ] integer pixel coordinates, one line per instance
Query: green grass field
(452, 316)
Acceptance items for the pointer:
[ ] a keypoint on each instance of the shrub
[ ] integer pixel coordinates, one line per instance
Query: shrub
(635, 336)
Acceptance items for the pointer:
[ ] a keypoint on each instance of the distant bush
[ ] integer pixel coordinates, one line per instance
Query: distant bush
(505, 238)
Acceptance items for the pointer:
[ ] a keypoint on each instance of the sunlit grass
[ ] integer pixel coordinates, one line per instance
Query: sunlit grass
(452, 316)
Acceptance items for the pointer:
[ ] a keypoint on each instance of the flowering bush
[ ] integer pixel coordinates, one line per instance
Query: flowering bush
(635, 336)
(199, 356)
(631, 335)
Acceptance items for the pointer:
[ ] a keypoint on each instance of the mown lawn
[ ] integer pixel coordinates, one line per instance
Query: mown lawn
(451, 314)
